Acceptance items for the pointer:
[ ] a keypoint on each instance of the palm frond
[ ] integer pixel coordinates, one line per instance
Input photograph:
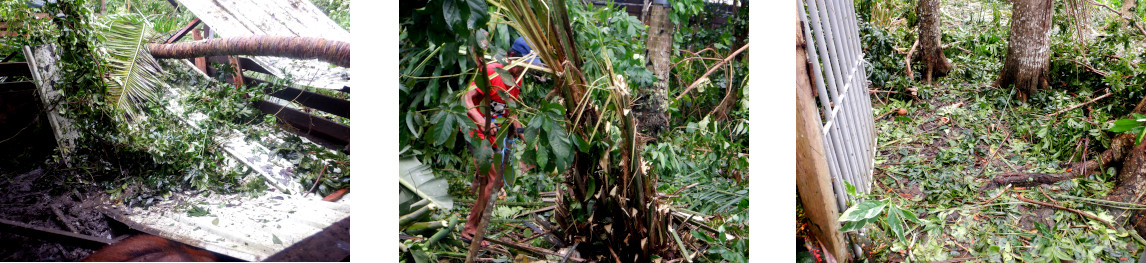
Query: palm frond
(133, 73)
(710, 200)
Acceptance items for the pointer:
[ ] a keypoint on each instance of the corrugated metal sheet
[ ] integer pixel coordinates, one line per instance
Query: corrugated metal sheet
(239, 226)
(235, 18)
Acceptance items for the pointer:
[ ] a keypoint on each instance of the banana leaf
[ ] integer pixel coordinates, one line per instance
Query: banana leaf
(417, 180)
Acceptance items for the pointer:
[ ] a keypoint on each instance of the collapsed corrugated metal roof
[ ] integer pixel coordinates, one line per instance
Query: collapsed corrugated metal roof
(237, 18)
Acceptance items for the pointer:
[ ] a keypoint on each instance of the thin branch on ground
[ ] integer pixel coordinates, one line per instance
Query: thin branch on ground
(996, 196)
(1082, 104)
(1079, 212)
(1088, 67)
(995, 152)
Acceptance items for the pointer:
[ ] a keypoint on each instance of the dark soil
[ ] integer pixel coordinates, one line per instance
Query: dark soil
(31, 198)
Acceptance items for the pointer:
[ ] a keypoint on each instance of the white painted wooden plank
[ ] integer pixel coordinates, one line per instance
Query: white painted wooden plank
(43, 62)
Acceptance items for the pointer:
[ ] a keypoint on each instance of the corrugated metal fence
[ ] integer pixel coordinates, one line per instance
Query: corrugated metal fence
(840, 79)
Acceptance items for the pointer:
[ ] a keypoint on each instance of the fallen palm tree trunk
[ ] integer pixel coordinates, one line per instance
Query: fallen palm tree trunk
(332, 51)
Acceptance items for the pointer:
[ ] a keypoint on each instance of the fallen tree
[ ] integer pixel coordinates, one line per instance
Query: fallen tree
(1130, 183)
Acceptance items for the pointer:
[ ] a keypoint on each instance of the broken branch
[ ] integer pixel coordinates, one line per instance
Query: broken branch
(1082, 104)
(1132, 22)
(710, 70)
(911, 75)
(1087, 215)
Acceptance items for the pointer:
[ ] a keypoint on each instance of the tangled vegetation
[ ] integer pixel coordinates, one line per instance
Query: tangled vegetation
(699, 165)
(140, 150)
(931, 200)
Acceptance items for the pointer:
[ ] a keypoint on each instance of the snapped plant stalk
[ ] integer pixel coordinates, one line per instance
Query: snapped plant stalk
(619, 189)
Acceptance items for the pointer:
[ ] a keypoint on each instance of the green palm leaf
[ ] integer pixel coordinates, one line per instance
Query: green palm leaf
(133, 73)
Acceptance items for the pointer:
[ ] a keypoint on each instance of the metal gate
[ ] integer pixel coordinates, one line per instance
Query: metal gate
(840, 79)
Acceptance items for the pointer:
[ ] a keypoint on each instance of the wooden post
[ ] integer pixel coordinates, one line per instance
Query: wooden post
(237, 75)
(200, 63)
(812, 179)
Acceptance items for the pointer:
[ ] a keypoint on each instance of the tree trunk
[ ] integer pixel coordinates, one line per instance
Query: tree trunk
(334, 52)
(1028, 48)
(934, 62)
(1131, 188)
(1128, 9)
(652, 101)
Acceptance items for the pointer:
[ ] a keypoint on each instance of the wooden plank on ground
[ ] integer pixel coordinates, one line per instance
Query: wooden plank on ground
(813, 180)
(23, 229)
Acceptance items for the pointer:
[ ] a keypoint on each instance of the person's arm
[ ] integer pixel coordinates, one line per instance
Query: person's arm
(472, 110)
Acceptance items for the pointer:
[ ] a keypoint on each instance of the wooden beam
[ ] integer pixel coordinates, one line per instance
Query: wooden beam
(306, 123)
(183, 32)
(813, 181)
(237, 74)
(9, 57)
(328, 104)
(200, 63)
(11, 69)
(17, 86)
(32, 231)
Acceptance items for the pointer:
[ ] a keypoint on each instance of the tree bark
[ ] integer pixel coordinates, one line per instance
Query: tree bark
(652, 101)
(331, 51)
(1028, 48)
(1131, 188)
(930, 36)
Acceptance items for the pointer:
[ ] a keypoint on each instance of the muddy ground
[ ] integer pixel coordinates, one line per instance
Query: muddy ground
(37, 198)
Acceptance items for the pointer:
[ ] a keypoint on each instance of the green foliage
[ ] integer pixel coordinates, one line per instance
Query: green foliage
(164, 17)
(161, 149)
(435, 72)
(709, 41)
(885, 68)
(684, 10)
(337, 10)
(895, 220)
(612, 31)
(547, 144)
(134, 74)
(1134, 126)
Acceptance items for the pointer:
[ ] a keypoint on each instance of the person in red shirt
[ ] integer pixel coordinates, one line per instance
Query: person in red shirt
(498, 109)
